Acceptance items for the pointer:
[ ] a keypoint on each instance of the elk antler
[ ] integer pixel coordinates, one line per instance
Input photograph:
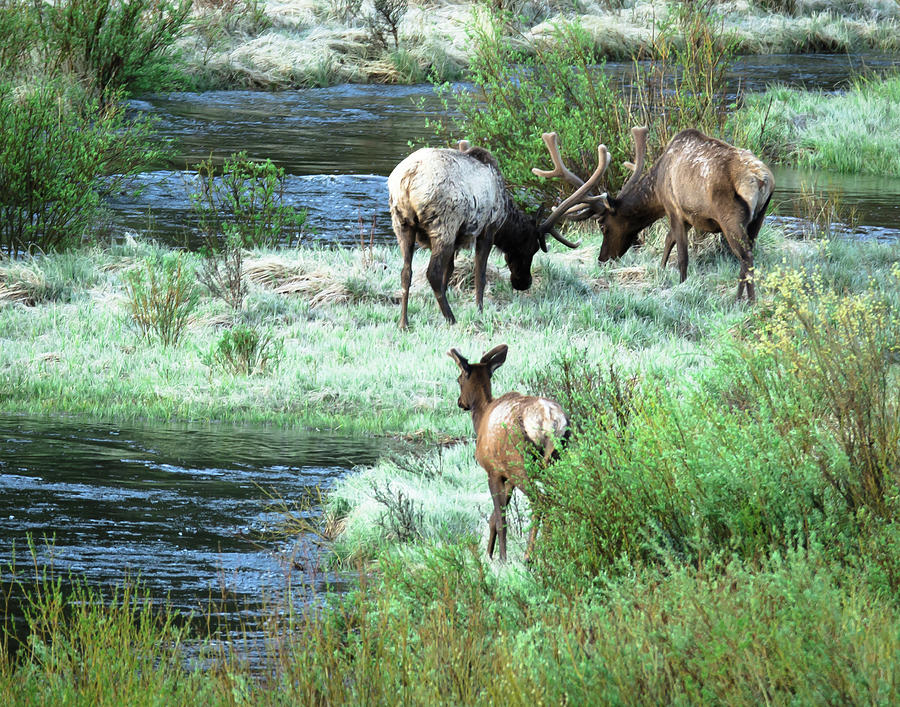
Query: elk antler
(464, 145)
(579, 205)
(639, 134)
(551, 140)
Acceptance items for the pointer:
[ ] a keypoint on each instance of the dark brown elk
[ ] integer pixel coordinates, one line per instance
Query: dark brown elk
(444, 199)
(697, 181)
(509, 431)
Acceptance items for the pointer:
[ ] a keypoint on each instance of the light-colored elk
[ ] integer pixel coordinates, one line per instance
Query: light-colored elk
(509, 431)
(697, 181)
(444, 199)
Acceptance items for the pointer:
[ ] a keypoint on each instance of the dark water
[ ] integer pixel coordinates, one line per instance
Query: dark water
(187, 509)
(338, 145)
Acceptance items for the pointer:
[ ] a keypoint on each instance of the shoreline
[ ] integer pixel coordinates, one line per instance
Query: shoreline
(303, 43)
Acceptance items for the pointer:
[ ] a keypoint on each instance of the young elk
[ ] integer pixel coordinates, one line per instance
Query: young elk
(697, 181)
(444, 199)
(507, 430)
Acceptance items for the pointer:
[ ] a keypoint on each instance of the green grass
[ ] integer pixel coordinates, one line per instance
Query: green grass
(854, 132)
(345, 364)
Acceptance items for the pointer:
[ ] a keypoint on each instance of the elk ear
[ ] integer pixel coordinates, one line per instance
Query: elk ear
(460, 361)
(495, 357)
(542, 241)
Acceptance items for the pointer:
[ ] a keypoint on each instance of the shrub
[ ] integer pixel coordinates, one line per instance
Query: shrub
(684, 85)
(825, 363)
(245, 203)
(558, 87)
(161, 295)
(222, 272)
(18, 28)
(245, 351)
(58, 158)
(385, 20)
(525, 86)
(110, 44)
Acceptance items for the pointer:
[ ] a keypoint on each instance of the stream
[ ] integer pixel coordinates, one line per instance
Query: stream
(337, 145)
(189, 510)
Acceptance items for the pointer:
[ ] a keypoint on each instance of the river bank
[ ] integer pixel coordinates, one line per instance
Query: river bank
(282, 44)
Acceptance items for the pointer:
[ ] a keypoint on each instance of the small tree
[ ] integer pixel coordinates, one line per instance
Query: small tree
(385, 20)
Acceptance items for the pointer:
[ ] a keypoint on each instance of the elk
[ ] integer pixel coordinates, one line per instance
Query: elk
(697, 181)
(508, 431)
(443, 199)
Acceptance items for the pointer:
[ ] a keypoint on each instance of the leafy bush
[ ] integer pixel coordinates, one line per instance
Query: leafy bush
(558, 87)
(246, 203)
(684, 84)
(56, 157)
(18, 28)
(826, 365)
(222, 272)
(161, 295)
(110, 44)
(245, 351)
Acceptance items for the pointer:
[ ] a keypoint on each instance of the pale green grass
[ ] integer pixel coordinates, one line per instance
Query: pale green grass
(345, 364)
(855, 132)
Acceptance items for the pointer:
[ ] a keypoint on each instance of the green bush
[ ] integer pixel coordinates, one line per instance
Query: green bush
(110, 44)
(59, 157)
(18, 28)
(245, 203)
(245, 351)
(556, 87)
(161, 295)
(824, 363)
(794, 434)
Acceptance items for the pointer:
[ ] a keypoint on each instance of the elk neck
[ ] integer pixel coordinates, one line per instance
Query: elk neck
(640, 203)
(516, 223)
(480, 406)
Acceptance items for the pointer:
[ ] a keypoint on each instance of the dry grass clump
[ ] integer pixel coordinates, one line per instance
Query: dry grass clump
(21, 283)
(320, 286)
(269, 271)
(15, 293)
(463, 278)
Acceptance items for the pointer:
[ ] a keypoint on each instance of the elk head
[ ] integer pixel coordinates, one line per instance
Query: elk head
(619, 233)
(475, 378)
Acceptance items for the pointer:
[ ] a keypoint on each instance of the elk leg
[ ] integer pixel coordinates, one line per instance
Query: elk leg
(505, 498)
(679, 231)
(441, 261)
(667, 248)
(496, 488)
(739, 243)
(483, 245)
(407, 241)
